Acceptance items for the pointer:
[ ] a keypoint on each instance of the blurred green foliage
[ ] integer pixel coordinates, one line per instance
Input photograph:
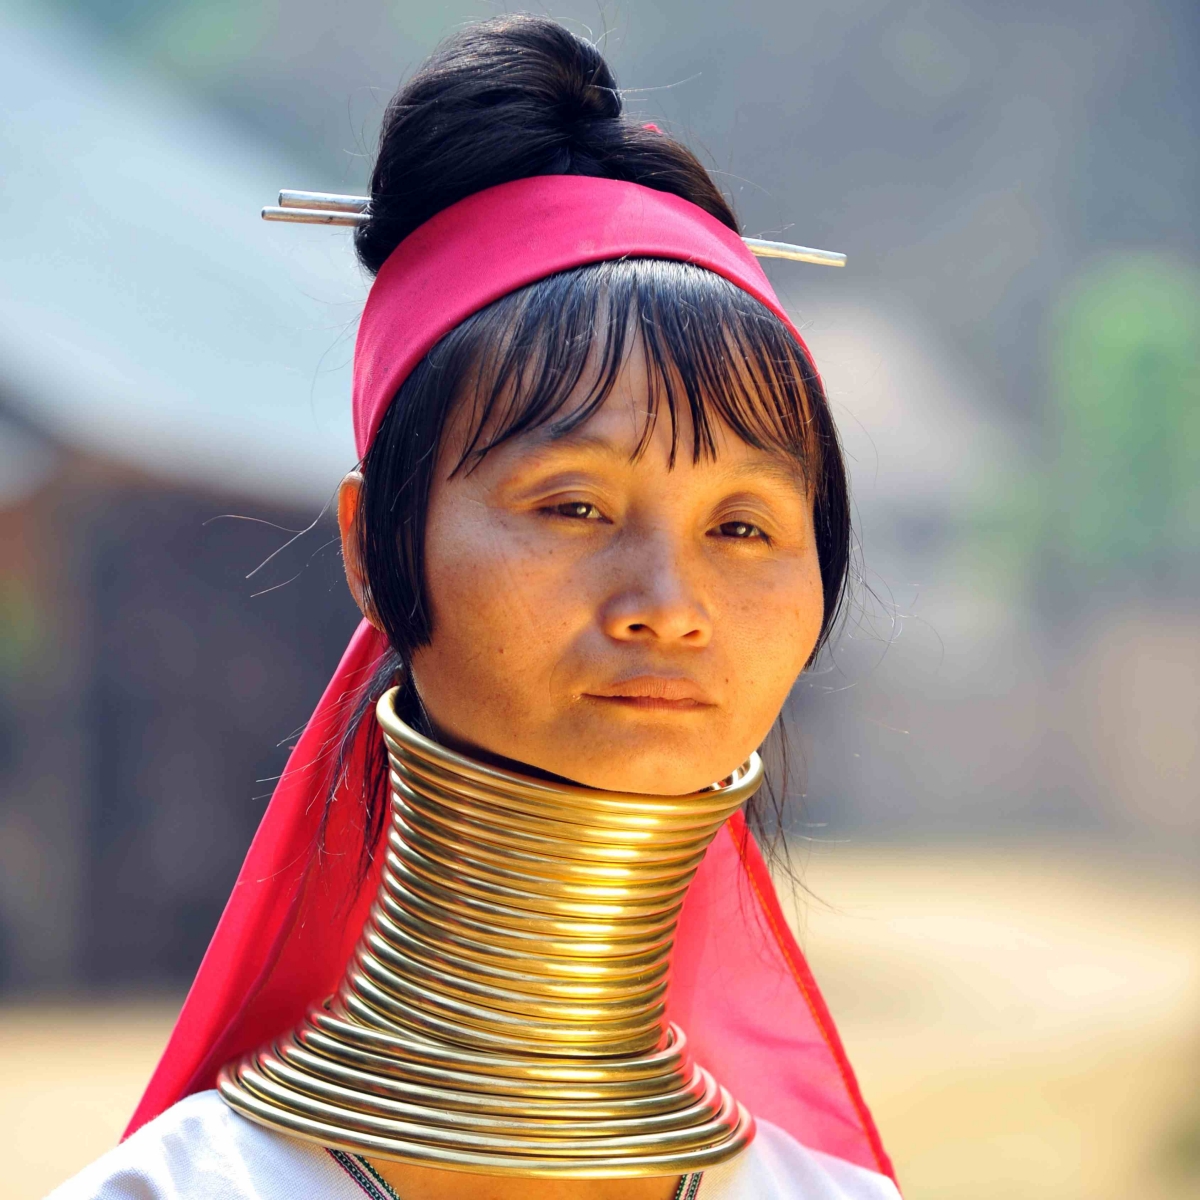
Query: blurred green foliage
(197, 38)
(1124, 485)
(1180, 1155)
(211, 35)
(21, 629)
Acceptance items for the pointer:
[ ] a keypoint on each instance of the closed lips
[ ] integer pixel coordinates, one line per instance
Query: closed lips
(653, 691)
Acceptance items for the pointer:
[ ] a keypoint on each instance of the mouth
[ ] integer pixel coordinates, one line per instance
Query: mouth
(664, 693)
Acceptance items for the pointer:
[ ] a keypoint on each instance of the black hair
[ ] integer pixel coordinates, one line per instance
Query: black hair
(501, 100)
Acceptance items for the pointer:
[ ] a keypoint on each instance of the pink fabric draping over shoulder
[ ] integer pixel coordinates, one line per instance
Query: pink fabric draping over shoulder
(754, 1015)
(740, 986)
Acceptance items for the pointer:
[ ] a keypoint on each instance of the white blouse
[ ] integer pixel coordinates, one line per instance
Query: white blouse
(200, 1149)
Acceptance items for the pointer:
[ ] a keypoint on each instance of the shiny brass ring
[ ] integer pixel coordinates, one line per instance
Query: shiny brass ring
(504, 1012)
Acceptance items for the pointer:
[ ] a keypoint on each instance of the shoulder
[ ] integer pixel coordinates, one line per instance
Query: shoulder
(777, 1167)
(200, 1148)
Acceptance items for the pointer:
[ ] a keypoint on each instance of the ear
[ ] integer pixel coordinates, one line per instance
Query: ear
(349, 495)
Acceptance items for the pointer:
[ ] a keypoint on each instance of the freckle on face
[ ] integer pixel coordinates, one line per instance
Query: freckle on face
(643, 589)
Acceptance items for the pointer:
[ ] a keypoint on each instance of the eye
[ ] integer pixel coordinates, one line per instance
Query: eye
(576, 510)
(741, 530)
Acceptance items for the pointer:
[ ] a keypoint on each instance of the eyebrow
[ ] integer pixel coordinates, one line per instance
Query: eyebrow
(780, 467)
(582, 438)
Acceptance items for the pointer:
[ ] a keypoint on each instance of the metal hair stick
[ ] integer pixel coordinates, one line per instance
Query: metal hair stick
(325, 201)
(822, 258)
(314, 216)
(327, 208)
(318, 208)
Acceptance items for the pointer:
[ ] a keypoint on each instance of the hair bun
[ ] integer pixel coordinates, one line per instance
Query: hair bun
(505, 99)
(588, 90)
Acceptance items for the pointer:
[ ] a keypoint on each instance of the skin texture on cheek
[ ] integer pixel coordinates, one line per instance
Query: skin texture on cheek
(510, 612)
(612, 619)
(493, 610)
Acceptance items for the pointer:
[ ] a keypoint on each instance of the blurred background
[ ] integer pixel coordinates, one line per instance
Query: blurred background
(997, 768)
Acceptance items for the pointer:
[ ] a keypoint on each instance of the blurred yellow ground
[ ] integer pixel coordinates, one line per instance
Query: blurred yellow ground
(1026, 1026)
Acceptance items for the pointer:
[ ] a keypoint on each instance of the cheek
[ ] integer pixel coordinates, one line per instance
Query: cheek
(470, 574)
(500, 602)
(777, 624)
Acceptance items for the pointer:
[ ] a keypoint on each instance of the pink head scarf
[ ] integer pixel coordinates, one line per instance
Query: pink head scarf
(740, 986)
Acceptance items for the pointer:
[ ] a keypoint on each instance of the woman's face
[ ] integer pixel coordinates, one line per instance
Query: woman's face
(613, 619)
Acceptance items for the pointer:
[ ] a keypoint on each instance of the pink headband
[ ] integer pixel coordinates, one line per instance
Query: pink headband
(506, 237)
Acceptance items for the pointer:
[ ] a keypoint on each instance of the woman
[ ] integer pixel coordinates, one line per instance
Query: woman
(598, 529)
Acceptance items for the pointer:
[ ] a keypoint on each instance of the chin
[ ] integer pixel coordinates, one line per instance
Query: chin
(621, 763)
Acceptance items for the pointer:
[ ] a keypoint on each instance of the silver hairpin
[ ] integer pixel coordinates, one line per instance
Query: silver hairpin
(325, 208)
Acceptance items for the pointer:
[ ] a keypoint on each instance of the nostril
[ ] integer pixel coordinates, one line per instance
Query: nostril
(637, 627)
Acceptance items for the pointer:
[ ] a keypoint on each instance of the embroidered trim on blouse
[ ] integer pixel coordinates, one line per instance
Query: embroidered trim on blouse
(364, 1175)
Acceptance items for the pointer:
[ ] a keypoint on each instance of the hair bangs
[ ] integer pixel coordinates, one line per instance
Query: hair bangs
(551, 355)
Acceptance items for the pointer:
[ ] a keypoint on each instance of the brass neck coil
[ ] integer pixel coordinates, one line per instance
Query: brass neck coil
(504, 1010)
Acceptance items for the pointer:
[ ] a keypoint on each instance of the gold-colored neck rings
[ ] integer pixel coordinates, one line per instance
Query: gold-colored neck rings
(504, 1010)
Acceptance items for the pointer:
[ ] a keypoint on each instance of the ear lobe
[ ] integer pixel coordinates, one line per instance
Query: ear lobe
(349, 497)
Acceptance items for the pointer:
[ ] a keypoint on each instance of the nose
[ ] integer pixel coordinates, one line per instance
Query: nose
(657, 595)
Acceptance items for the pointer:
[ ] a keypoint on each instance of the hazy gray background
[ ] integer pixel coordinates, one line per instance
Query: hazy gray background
(1013, 353)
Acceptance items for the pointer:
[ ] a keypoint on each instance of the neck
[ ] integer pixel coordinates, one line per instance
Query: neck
(504, 1012)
